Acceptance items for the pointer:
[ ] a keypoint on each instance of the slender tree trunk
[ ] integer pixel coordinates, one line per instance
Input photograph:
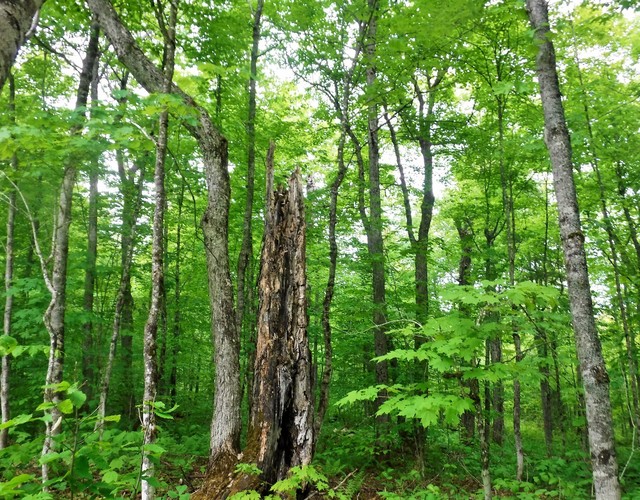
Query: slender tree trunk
(54, 315)
(8, 283)
(246, 250)
(280, 434)
(225, 427)
(542, 342)
(17, 20)
(507, 204)
(485, 432)
(329, 290)
(177, 315)
(88, 354)
(594, 373)
(157, 258)
(373, 222)
(123, 315)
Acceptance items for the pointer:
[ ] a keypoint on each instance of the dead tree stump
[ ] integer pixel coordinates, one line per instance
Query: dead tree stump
(280, 434)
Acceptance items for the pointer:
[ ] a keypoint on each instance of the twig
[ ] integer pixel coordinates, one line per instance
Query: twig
(633, 447)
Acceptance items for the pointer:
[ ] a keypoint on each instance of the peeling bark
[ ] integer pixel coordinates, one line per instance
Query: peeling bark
(281, 432)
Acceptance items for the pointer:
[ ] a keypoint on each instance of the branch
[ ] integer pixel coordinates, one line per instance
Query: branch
(43, 265)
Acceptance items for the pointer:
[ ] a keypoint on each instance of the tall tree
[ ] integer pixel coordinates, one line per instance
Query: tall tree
(225, 426)
(55, 314)
(373, 220)
(8, 283)
(281, 433)
(88, 359)
(594, 373)
(168, 29)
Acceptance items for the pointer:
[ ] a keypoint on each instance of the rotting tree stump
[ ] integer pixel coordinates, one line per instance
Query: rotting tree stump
(280, 434)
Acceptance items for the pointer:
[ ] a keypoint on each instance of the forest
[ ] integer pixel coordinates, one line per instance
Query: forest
(345, 249)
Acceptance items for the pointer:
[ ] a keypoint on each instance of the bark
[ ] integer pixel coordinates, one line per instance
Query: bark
(123, 314)
(225, 425)
(373, 222)
(594, 374)
(17, 20)
(425, 110)
(509, 217)
(54, 315)
(494, 344)
(542, 342)
(280, 434)
(177, 315)
(323, 403)
(473, 386)
(246, 250)
(157, 258)
(88, 354)
(8, 283)
(485, 433)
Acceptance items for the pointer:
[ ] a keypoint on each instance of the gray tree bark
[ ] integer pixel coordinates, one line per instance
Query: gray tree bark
(246, 250)
(373, 221)
(88, 354)
(168, 29)
(122, 320)
(281, 432)
(8, 283)
(54, 315)
(594, 373)
(17, 19)
(225, 426)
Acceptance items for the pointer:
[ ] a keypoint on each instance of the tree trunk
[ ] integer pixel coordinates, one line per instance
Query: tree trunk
(485, 432)
(373, 222)
(594, 373)
(225, 427)
(123, 315)
(158, 301)
(177, 315)
(88, 354)
(8, 283)
(281, 432)
(17, 20)
(54, 315)
(323, 404)
(246, 250)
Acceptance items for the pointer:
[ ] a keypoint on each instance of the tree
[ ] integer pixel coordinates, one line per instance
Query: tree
(593, 370)
(54, 317)
(225, 425)
(18, 21)
(281, 432)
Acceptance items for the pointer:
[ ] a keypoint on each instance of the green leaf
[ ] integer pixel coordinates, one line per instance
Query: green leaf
(20, 419)
(110, 476)
(154, 448)
(11, 486)
(7, 345)
(65, 406)
(77, 397)
(368, 394)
